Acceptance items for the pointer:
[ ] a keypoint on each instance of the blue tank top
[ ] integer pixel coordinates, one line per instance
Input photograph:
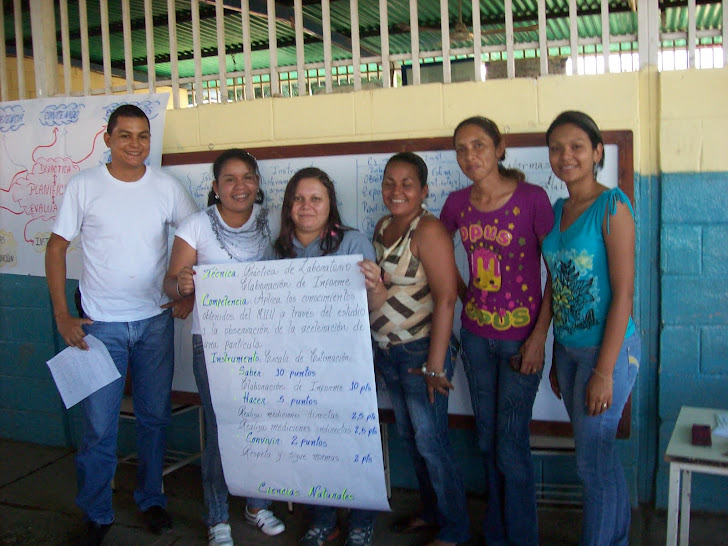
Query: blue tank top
(577, 260)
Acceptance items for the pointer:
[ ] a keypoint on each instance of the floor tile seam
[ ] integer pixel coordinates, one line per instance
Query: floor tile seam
(37, 469)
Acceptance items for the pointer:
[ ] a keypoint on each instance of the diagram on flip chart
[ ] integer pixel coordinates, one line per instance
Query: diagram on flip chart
(43, 143)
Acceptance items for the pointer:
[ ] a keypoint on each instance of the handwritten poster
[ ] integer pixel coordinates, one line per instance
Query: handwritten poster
(43, 143)
(289, 359)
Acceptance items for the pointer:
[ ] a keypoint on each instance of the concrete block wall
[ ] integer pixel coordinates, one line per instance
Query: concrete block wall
(693, 347)
(30, 408)
(694, 310)
(646, 305)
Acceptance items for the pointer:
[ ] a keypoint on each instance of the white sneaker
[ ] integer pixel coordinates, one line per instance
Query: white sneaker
(266, 522)
(219, 535)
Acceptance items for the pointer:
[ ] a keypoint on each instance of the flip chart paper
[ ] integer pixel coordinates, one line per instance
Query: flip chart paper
(43, 143)
(289, 360)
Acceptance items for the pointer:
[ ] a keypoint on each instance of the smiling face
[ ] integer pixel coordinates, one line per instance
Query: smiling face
(237, 185)
(572, 154)
(310, 209)
(402, 191)
(129, 144)
(476, 153)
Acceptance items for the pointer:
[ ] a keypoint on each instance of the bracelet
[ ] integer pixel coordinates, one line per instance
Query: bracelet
(428, 373)
(601, 375)
(178, 292)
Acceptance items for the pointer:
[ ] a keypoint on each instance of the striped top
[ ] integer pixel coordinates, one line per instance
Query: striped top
(407, 314)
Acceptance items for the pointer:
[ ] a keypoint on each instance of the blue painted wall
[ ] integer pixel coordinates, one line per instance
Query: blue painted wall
(30, 408)
(694, 313)
(641, 458)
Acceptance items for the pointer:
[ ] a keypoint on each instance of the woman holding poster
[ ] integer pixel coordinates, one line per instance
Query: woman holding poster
(415, 351)
(502, 220)
(311, 227)
(234, 228)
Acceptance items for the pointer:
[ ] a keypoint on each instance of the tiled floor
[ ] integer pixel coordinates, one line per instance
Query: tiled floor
(37, 487)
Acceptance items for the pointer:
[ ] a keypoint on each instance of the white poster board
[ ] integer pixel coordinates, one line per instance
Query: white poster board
(43, 142)
(289, 360)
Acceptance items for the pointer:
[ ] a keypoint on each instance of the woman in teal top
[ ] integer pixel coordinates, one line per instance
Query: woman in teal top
(590, 255)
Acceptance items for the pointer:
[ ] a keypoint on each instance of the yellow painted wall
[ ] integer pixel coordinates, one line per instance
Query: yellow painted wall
(694, 121)
(96, 78)
(518, 106)
(679, 119)
(11, 66)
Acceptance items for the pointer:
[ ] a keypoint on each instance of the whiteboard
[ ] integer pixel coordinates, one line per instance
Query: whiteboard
(357, 178)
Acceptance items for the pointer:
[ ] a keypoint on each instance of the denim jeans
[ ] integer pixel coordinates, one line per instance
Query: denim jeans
(325, 516)
(606, 499)
(214, 488)
(423, 427)
(503, 403)
(146, 348)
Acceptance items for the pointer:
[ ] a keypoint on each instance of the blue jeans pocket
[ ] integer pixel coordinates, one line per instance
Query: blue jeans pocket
(416, 351)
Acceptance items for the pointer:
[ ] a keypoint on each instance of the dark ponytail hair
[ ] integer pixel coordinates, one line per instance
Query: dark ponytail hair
(333, 231)
(585, 123)
(490, 128)
(240, 155)
(411, 159)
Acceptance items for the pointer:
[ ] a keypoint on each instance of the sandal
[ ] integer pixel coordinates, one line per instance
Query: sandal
(410, 525)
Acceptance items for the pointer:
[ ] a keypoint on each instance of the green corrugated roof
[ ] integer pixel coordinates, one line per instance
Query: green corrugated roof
(622, 21)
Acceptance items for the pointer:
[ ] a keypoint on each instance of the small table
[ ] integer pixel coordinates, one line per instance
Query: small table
(684, 459)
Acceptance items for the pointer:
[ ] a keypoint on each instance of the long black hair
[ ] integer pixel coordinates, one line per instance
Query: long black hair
(333, 231)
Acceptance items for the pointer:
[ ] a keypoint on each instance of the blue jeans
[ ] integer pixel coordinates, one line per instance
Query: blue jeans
(606, 499)
(423, 428)
(214, 488)
(325, 516)
(146, 347)
(503, 403)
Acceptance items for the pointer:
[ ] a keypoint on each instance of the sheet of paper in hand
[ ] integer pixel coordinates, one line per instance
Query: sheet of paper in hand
(289, 359)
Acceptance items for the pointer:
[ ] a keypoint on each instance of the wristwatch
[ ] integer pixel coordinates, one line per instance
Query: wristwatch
(428, 373)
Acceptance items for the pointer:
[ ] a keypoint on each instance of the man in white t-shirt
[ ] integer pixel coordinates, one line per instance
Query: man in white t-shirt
(122, 211)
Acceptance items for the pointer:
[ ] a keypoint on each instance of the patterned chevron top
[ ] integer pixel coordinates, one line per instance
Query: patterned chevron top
(407, 313)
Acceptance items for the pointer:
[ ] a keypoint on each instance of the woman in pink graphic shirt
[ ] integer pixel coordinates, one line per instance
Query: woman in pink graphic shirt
(502, 220)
